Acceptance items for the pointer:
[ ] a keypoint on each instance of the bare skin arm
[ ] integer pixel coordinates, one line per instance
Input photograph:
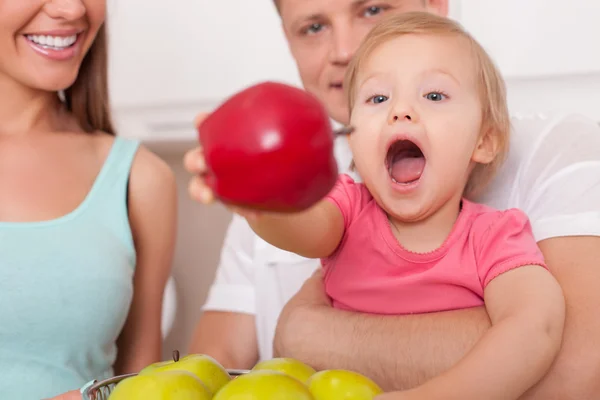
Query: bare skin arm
(314, 233)
(153, 217)
(575, 262)
(397, 352)
(228, 337)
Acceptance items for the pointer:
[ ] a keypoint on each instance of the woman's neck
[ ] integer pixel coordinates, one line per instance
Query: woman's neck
(25, 110)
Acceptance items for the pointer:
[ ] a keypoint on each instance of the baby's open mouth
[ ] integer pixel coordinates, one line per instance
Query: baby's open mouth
(405, 162)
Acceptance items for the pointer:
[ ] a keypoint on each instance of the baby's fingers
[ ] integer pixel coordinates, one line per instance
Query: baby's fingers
(194, 161)
(199, 192)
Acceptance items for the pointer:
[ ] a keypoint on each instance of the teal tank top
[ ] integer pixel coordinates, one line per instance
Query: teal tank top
(66, 286)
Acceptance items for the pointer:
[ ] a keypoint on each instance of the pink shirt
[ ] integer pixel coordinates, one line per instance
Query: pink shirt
(371, 272)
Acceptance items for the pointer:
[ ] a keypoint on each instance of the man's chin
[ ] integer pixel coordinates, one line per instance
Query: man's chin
(339, 114)
(335, 103)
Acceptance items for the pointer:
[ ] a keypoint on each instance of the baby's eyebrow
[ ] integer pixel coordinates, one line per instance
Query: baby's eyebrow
(375, 76)
(440, 71)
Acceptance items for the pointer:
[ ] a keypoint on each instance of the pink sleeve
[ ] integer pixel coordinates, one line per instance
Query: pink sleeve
(350, 197)
(506, 243)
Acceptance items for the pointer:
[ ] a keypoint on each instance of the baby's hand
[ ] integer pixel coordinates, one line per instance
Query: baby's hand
(197, 188)
(195, 164)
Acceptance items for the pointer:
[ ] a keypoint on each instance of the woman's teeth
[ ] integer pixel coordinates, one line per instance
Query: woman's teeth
(53, 42)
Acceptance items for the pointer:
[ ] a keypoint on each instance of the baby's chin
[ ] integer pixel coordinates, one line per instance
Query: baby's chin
(405, 211)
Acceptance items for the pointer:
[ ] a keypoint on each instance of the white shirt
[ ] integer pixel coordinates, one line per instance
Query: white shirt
(552, 173)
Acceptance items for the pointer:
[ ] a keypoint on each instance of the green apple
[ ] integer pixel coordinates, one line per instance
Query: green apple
(342, 385)
(264, 385)
(162, 385)
(210, 372)
(294, 368)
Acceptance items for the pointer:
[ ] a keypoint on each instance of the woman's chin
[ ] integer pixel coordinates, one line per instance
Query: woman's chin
(53, 83)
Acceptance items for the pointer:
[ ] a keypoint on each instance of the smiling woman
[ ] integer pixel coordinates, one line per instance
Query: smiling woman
(54, 46)
(80, 257)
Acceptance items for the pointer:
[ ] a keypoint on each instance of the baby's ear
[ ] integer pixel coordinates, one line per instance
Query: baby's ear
(487, 147)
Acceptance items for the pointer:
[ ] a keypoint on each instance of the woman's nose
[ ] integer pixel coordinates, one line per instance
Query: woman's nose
(69, 10)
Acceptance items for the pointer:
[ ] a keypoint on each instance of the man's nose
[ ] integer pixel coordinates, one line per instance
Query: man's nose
(342, 45)
(69, 10)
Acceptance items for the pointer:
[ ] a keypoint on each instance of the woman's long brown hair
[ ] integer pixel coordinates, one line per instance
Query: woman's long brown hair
(88, 97)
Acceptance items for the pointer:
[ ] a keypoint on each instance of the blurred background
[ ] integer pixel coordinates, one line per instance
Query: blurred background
(172, 60)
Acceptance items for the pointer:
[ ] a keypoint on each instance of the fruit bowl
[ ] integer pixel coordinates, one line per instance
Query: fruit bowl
(101, 390)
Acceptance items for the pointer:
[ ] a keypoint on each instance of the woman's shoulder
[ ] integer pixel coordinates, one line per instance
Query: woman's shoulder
(151, 178)
(147, 167)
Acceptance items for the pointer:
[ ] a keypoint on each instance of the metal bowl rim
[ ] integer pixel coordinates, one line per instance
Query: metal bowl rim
(87, 392)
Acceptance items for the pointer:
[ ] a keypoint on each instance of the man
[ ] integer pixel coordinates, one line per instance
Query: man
(248, 312)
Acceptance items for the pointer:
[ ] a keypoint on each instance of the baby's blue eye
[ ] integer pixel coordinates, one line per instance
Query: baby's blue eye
(378, 99)
(435, 96)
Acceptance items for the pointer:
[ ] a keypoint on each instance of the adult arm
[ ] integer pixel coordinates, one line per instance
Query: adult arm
(227, 330)
(574, 261)
(397, 352)
(153, 219)
(72, 395)
(229, 337)
(561, 192)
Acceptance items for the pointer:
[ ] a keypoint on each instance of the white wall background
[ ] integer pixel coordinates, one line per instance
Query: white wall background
(170, 60)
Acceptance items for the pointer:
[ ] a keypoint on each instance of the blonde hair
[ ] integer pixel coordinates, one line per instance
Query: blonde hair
(492, 90)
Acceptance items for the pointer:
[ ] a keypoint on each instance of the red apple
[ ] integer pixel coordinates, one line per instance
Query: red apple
(270, 148)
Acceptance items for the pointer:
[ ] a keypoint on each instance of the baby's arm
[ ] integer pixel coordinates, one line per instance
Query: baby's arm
(318, 231)
(314, 233)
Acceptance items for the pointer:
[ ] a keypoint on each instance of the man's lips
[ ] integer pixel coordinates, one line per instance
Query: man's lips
(336, 85)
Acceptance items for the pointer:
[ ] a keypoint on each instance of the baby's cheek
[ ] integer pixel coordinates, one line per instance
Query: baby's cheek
(365, 155)
(359, 144)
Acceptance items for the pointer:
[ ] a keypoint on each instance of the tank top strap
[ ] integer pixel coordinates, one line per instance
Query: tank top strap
(117, 166)
(108, 204)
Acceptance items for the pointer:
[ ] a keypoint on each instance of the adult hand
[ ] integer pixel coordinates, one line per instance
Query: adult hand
(72, 395)
(195, 164)
(310, 296)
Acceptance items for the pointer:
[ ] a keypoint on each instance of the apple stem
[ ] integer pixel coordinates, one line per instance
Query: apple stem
(175, 355)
